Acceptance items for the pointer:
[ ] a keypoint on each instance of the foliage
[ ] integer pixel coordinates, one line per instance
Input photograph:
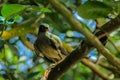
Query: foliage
(8, 10)
(19, 23)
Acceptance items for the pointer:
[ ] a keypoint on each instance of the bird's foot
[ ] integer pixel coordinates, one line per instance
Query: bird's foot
(49, 69)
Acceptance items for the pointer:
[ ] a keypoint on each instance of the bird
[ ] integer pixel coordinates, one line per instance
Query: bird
(48, 45)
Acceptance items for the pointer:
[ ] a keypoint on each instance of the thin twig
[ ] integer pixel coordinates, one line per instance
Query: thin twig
(27, 43)
(92, 66)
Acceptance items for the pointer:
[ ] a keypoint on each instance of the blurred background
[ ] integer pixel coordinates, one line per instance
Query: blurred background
(19, 23)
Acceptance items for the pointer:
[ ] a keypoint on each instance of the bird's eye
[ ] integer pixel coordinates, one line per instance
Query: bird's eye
(42, 27)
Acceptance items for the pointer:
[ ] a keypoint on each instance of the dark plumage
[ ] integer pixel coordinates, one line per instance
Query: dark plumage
(48, 45)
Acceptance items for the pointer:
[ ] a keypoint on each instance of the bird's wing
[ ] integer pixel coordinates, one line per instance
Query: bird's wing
(62, 50)
(38, 53)
(56, 43)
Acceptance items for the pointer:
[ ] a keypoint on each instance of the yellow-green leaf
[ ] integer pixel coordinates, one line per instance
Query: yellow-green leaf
(9, 10)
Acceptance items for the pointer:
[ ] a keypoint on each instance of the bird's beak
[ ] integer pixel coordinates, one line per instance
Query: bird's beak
(48, 29)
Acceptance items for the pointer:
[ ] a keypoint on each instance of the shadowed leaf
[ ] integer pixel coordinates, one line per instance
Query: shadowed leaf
(94, 9)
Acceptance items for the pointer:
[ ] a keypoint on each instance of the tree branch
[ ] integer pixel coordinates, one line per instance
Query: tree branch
(91, 37)
(85, 48)
(93, 67)
(27, 43)
(110, 68)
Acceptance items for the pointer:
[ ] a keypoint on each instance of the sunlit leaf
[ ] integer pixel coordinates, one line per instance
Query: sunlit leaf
(94, 9)
(101, 21)
(1, 78)
(45, 10)
(15, 59)
(69, 33)
(16, 18)
(9, 10)
(8, 54)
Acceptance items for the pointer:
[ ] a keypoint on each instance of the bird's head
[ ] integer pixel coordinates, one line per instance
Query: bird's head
(44, 28)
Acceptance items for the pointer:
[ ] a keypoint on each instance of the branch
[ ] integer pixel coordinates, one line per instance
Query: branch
(92, 66)
(110, 68)
(27, 43)
(66, 65)
(85, 48)
(113, 44)
(91, 37)
(68, 62)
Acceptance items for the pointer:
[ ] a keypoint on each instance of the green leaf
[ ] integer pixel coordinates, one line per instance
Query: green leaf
(17, 18)
(12, 20)
(2, 55)
(15, 59)
(8, 54)
(114, 4)
(8, 10)
(1, 78)
(45, 10)
(94, 9)
(33, 74)
(57, 22)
